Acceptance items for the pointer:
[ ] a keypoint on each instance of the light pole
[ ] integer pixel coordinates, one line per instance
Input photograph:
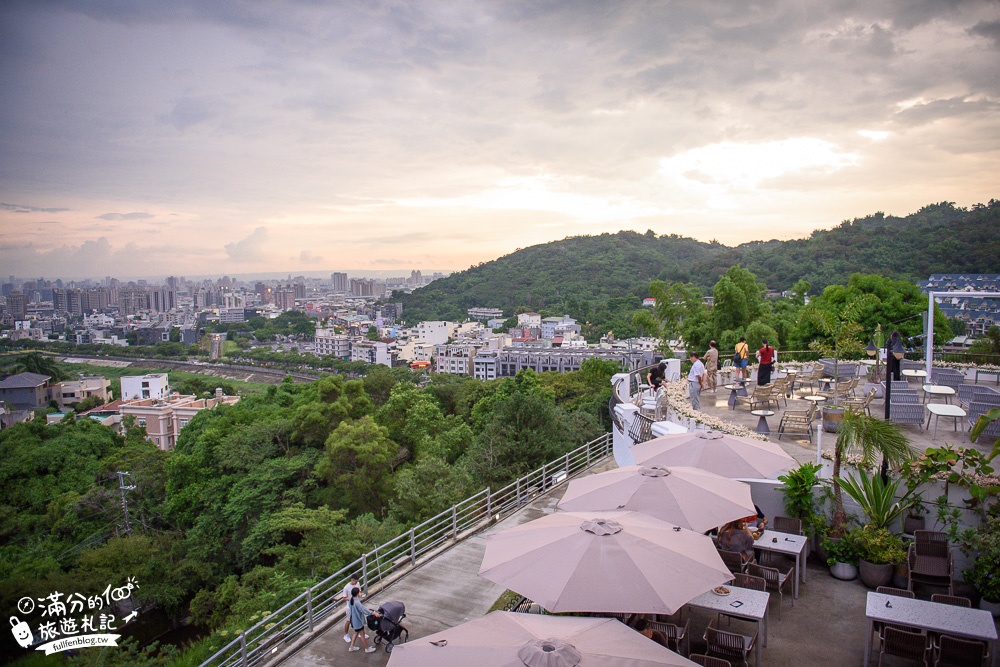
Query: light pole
(894, 353)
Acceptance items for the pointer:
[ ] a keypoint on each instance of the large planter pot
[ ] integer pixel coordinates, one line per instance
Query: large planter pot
(874, 575)
(992, 607)
(832, 418)
(844, 571)
(913, 523)
(818, 548)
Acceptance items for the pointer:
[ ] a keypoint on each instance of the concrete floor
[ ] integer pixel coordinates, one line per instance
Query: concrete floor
(826, 626)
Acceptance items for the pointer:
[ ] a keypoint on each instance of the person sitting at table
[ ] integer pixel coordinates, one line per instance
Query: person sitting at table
(757, 522)
(736, 536)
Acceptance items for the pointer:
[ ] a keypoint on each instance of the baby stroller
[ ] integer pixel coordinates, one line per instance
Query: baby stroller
(388, 625)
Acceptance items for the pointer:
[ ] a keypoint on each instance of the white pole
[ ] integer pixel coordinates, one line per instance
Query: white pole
(929, 337)
(819, 444)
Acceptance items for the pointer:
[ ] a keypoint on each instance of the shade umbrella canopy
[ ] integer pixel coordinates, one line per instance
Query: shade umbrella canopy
(617, 561)
(688, 497)
(507, 639)
(727, 455)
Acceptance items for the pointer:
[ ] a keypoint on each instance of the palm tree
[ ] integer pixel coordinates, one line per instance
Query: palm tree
(36, 362)
(871, 439)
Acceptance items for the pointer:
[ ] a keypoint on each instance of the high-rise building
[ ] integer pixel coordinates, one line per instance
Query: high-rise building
(284, 298)
(17, 305)
(339, 282)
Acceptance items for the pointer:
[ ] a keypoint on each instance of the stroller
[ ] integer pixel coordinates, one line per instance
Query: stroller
(388, 625)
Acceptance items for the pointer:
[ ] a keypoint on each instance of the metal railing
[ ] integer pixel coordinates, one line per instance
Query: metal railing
(392, 559)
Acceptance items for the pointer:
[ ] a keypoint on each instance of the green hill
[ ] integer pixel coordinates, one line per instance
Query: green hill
(604, 278)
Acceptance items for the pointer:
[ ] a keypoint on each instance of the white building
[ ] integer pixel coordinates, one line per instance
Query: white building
(70, 392)
(138, 387)
(330, 343)
(371, 351)
(433, 333)
(485, 313)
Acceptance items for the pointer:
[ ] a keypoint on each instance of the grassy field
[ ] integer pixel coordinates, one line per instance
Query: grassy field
(114, 373)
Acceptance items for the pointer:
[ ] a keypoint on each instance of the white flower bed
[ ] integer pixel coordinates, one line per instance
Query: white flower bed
(676, 398)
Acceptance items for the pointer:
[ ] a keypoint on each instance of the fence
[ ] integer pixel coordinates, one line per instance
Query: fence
(265, 639)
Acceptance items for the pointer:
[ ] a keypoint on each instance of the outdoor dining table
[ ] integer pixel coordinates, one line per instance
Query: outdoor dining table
(790, 545)
(736, 389)
(938, 410)
(762, 426)
(932, 390)
(913, 373)
(740, 603)
(942, 618)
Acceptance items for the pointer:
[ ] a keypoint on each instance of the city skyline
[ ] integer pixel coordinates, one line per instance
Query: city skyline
(192, 138)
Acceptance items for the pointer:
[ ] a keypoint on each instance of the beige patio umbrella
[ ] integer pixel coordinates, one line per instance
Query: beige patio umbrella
(688, 497)
(506, 639)
(727, 455)
(617, 561)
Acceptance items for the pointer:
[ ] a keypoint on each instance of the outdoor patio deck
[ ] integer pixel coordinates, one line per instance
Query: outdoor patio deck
(825, 627)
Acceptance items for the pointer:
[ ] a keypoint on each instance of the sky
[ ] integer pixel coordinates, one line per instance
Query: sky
(210, 137)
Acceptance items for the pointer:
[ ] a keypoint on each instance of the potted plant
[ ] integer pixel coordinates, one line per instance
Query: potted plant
(985, 571)
(800, 499)
(842, 333)
(879, 552)
(872, 439)
(877, 498)
(842, 557)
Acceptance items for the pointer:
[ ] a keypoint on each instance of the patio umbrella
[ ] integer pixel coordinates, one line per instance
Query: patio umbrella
(616, 561)
(727, 455)
(688, 497)
(507, 639)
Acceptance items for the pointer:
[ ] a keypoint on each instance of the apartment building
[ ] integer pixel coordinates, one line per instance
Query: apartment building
(371, 351)
(480, 313)
(164, 418)
(139, 387)
(70, 392)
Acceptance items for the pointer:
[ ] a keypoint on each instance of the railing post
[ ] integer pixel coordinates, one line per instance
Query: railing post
(364, 573)
(243, 649)
(309, 607)
(544, 476)
(567, 464)
(517, 488)
(454, 522)
(413, 548)
(588, 454)
(489, 504)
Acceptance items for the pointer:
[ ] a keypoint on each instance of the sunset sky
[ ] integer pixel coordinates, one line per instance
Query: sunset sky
(209, 137)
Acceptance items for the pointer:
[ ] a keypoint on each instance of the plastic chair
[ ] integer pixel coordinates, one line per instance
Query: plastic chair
(728, 645)
(904, 644)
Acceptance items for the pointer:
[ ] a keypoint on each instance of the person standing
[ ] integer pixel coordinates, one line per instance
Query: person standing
(742, 358)
(765, 355)
(359, 613)
(350, 586)
(712, 366)
(696, 381)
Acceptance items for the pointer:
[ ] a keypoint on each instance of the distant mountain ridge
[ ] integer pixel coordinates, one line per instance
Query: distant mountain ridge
(587, 274)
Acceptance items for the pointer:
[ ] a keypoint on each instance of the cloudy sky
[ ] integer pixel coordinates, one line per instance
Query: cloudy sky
(199, 137)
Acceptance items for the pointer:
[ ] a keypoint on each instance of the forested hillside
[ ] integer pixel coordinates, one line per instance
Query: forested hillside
(263, 498)
(603, 278)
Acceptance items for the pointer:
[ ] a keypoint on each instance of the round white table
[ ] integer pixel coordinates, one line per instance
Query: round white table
(932, 390)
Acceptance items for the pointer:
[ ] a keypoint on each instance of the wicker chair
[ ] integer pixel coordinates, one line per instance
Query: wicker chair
(776, 581)
(797, 422)
(955, 652)
(955, 600)
(904, 644)
(787, 524)
(931, 562)
(728, 645)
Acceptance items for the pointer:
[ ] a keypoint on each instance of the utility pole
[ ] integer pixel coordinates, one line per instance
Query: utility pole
(125, 487)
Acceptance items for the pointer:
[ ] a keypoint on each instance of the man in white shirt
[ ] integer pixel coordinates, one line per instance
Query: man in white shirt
(347, 596)
(696, 381)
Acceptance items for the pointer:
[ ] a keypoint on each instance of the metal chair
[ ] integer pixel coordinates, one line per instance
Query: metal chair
(904, 644)
(861, 404)
(787, 524)
(776, 581)
(955, 652)
(759, 398)
(797, 422)
(955, 600)
(733, 560)
(708, 661)
(728, 645)
(675, 634)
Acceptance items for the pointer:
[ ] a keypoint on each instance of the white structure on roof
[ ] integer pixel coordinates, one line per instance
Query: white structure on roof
(138, 387)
